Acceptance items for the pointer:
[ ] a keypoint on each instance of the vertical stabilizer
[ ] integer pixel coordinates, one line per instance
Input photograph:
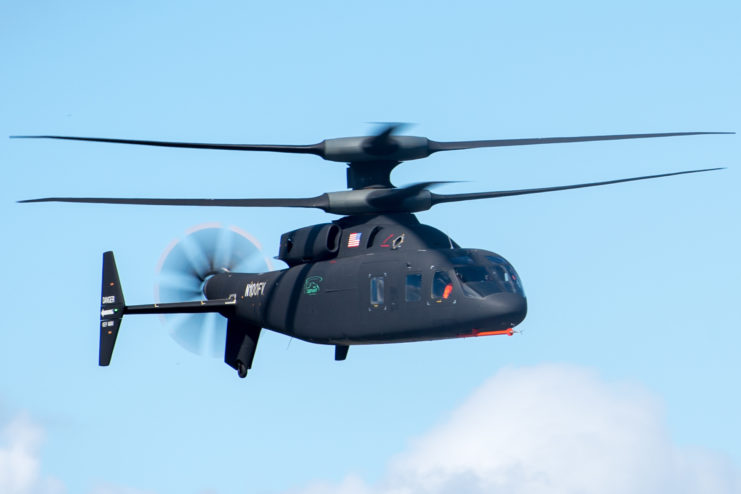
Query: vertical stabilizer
(111, 308)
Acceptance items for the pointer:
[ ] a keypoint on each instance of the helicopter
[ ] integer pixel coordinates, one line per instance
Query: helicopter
(375, 275)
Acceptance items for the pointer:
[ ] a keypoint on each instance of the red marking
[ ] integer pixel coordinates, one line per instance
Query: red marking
(448, 290)
(385, 242)
(111, 284)
(110, 332)
(476, 332)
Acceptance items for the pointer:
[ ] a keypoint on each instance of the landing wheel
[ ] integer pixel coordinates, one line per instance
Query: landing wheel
(241, 370)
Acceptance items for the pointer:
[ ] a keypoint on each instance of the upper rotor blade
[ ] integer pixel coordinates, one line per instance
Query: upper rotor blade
(320, 202)
(385, 129)
(382, 143)
(440, 198)
(384, 149)
(456, 145)
(317, 149)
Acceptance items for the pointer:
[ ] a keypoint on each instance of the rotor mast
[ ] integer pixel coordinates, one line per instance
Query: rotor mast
(370, 174)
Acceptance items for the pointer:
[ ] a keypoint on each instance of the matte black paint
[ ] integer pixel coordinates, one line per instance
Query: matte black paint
(328, 301)
(383, 287)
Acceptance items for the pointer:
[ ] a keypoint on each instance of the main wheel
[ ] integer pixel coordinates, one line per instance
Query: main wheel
(241, 370)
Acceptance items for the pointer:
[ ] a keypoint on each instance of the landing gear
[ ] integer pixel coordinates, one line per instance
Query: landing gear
(241, 341)
(340, 352)
(241, 369)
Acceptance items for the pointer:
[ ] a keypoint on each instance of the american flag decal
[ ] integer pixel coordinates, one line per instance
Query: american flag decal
(354, 239)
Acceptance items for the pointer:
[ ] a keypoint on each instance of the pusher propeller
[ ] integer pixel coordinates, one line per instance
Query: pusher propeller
(185, 267)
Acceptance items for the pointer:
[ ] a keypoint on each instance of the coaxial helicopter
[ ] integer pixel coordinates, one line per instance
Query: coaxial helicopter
(375, 275)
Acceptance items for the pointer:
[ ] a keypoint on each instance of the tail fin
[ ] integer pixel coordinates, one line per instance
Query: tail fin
(111, 308)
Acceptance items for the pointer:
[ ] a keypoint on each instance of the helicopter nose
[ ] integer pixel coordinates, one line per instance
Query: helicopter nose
(510, 308)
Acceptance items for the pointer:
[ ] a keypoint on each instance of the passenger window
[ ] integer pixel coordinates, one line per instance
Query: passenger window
(442, 286)
(376, 291)
(414, 288)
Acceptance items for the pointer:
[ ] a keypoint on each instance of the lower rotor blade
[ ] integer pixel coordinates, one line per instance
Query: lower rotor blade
(440, 198)
(456, 145)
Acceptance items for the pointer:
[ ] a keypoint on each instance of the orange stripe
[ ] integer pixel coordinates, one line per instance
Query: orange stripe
(508, 332)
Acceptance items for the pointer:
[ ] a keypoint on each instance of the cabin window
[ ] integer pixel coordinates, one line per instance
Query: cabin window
(442, 286)
(414, 288)
(376, 290)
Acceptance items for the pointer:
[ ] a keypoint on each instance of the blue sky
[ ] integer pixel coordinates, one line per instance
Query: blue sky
(632, 334)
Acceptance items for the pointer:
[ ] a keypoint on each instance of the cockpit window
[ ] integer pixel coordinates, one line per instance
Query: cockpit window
(469, 276)
(463, 259)
(471, 273)
(497, 276)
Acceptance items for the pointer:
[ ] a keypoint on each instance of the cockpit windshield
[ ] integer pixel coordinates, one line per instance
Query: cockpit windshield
(495, 275)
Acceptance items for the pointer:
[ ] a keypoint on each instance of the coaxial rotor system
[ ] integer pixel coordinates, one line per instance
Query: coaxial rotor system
(370, 160)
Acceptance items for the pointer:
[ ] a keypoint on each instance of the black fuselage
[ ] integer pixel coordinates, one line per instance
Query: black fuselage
(391, 279)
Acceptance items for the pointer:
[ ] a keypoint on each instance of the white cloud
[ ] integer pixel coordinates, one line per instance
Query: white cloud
(550, 428)
(20, 464)
(19, 460)
(555, 429)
